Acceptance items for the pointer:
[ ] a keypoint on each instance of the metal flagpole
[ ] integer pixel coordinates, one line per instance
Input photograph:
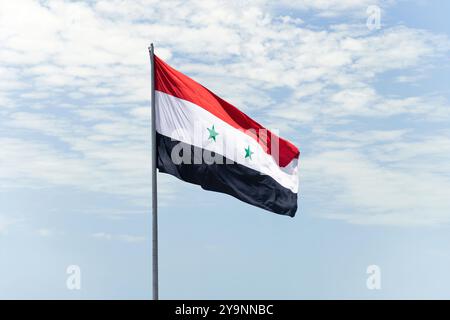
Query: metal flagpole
(154, 182)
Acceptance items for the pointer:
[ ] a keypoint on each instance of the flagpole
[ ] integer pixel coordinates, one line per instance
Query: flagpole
(154, 182)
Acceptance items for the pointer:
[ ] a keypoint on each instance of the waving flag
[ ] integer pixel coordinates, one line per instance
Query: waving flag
(204, 140)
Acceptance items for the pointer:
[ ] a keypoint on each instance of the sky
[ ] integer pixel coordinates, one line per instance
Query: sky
(369, 109)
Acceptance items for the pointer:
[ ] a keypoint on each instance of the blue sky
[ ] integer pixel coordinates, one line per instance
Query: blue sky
(369, 110)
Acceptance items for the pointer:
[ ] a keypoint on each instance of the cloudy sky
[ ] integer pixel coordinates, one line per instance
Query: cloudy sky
(369, 109)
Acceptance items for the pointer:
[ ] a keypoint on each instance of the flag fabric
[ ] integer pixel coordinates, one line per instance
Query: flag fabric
(204, 140)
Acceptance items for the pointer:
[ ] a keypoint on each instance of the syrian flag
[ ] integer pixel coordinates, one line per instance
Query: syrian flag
(204, 140)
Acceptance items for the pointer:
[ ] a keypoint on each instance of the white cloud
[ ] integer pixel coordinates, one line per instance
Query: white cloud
(131, 238)
(397, 182)
(121, 237)
(44, 232)
(332, 8)
(102, 236)
(6, 223)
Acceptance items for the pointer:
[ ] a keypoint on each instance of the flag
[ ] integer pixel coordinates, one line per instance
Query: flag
(204, 140)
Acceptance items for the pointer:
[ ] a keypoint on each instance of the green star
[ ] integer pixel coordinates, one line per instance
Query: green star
(248, 153)
(212, 133)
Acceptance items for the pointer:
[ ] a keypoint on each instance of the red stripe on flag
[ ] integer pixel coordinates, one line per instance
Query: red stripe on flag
(173, 82)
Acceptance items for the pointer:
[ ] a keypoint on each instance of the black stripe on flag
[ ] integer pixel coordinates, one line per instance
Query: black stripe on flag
(234, 179)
